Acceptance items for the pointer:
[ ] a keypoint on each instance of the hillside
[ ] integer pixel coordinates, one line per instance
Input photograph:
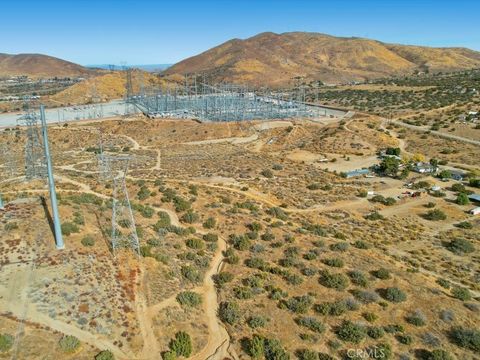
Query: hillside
(244, 231)
(37, 66)
(104, 87)
(274, 59)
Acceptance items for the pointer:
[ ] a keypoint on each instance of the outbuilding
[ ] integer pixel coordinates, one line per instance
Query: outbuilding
(356, 173)
(457, 175)
(424, 168)
(475, 211)
(474, 197)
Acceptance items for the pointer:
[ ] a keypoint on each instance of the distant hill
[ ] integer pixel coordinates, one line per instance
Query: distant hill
(38, 66)
(145, 67)
(105, 87)
(274, 59)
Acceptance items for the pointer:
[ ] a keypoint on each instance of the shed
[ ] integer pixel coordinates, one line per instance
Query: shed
(474, 197)
(358, 172)
(457, 175)
(424, 168)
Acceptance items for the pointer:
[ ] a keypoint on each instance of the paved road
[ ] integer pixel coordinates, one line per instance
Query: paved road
(71, 113)
(438, 133)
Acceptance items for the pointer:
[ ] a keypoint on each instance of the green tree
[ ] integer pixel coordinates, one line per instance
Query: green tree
(393, 151)
(274, 350)
(460, 246)
(435, 215)
(348, 331)
(209, 223)
(222, 278)
(445, 174)
(229, 312)
(105, 355)
(190, 217)
(462, 199)
(182, 344)
(169, 355)
(334, 281)
(394, 294)
(311, 323)
(69, 343)
(475, 183)
(461, 293)
(267, 173)
(466, 338)
(439, 354)
(256, 347)
(143, 193)
(69, 228)
(6, 342)
(189, 298)
(389, 166)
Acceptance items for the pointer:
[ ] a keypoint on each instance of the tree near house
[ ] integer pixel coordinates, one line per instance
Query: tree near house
(418, 158)
(445, 174)
(393, 151)
(462, 199)
(389, 166)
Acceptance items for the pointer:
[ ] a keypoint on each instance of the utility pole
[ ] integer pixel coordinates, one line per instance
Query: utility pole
(51, 183)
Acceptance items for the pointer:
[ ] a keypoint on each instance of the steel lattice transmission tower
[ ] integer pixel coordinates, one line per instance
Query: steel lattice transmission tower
(38, 162)
(9, 160)
(35, 162)
(103, 167)
(129, 96)
(124, 231)
(105, 159)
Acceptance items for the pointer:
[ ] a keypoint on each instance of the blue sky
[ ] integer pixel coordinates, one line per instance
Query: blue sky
(149, 32)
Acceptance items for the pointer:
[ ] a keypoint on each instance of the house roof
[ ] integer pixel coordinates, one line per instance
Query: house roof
(357, 172)
(422, 165)
(474, 197)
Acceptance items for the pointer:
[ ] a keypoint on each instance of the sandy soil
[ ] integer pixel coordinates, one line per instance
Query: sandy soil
(218, 345)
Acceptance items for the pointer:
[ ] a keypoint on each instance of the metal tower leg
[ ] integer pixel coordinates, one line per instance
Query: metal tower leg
(51, 183)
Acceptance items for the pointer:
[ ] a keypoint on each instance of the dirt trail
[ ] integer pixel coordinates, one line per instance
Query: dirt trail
(217, 347)
(437, 133)
(232, 140)
(397, 252)
(151, 348)
(267, 125)
(85, 188)
(402, 144)
(218, 344)
(252, 194)
(34, 316)
(218, 339)
(135, 144)
(28, 312)
(159, 160)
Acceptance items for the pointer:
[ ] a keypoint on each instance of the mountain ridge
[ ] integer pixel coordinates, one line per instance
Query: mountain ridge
(40, 66)
(274, 59)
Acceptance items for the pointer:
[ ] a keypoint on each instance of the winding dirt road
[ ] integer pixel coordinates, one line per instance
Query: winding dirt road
(437, 133)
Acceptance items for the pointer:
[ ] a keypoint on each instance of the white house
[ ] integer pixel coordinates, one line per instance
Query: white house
(424, 168)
